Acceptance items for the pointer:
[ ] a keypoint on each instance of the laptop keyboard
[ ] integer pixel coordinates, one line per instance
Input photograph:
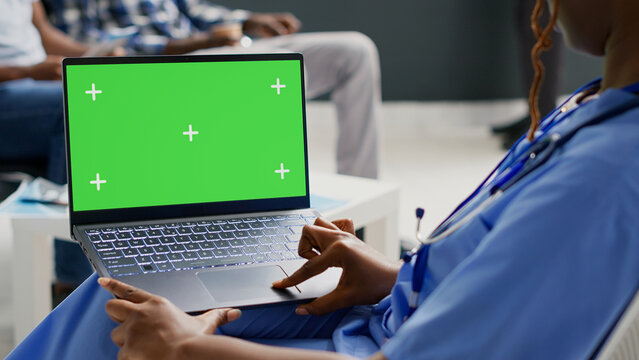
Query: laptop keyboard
(130, 250)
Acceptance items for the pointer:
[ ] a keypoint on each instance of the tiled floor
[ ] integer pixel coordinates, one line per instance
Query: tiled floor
(437, 153)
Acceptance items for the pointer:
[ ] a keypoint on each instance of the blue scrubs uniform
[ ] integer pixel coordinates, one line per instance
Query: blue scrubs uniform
(543, 272)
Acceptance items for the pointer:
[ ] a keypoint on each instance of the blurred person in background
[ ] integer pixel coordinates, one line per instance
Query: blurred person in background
(344, 65)
(31, 117)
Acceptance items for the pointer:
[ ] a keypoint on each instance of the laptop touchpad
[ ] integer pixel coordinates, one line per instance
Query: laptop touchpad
(241, 284)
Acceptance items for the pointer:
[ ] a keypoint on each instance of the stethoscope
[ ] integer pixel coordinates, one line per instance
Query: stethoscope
(531, 157)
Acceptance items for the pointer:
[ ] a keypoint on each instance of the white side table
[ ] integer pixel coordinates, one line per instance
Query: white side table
(371, 204)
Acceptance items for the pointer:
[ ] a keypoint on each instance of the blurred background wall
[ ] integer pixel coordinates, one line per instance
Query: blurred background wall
(433, 50)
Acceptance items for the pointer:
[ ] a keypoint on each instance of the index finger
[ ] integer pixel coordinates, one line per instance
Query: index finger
(315, 266)
(124, 291)
(316, 237)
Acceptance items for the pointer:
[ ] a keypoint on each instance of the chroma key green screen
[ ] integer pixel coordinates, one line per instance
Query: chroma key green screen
(182, 133)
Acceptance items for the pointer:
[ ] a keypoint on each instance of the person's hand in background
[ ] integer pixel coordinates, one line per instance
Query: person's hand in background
(49, 69)
(117, 51)
(271, 24)
(367, 275)
(225, 34)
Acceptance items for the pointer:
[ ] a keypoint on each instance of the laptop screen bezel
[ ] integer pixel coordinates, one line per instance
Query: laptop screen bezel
(183, 210)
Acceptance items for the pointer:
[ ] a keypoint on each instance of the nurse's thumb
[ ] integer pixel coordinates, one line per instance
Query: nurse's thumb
(218, 317)
(328, 303)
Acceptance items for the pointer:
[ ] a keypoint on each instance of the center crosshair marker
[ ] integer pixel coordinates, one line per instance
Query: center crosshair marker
(190, 133)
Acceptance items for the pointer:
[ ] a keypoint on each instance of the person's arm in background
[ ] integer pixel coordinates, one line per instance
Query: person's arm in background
(271, 24)
(155, 37)
(49, 69)
(203, 40)
(118, 21)
(55, 42)
(204, 15)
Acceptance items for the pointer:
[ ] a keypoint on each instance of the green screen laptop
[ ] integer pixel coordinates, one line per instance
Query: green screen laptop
(188, 175)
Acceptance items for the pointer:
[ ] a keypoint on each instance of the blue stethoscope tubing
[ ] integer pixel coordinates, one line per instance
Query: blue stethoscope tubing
(533, 156)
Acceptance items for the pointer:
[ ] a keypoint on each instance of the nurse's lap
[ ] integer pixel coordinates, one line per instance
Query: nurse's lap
(79, 327)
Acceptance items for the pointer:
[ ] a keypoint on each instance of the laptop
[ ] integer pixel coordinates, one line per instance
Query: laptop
(188, 175)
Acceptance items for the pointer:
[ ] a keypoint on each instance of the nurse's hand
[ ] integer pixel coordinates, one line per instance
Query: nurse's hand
(151, 327)
(367, 275)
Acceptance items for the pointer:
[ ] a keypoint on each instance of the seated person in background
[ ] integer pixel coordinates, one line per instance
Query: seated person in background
(31, 121)
(344, 64)
(535, 268)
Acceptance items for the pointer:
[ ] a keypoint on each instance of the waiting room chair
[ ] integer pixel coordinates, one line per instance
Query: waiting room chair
(623, 341)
